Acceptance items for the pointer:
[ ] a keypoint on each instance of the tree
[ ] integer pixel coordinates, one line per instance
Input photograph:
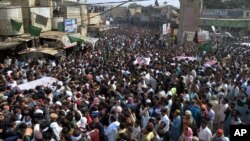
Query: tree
(134, 5)
(156, 3)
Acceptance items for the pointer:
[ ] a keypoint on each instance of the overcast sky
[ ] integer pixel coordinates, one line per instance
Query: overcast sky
(145, 3)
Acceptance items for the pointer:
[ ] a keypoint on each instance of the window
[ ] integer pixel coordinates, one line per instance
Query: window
(190, 1)
(247, 14)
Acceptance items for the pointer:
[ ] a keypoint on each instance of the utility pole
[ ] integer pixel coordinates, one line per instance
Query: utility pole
(84, 21)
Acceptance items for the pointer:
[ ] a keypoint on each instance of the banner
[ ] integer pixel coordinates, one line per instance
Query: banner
(45, 81)
(188, 58)
(35, 31)
(66, 42)
(15, 25)
(210, 63)
(166, 29)
(142, 61)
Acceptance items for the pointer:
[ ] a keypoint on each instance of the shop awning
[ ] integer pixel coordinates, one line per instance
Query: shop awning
(49, 51)
(234, 23)
(63, 37)
(23, 38)
(4, 46)
(56, 35)
(52, 52)
(73, 39)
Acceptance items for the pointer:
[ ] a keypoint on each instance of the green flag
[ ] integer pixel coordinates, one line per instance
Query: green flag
(75, 39)
(205, 47)
(60, 26)
(107, 53)
(35, 31)
(16, 26)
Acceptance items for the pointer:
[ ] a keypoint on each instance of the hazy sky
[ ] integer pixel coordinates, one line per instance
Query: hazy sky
(146, 3)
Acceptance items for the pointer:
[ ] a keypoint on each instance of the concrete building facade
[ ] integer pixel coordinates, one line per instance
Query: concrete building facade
(41, 13)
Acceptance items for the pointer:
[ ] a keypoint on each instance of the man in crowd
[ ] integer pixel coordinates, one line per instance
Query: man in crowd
(107, 91)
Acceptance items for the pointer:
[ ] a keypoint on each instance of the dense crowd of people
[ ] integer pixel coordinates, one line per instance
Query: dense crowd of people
(103, 95)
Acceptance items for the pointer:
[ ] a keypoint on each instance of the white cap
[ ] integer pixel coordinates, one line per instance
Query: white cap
(69, 93)
(87, 102)
(148, 101)
(38, 111)
(60, 83)
(98, 79)
(59, 103)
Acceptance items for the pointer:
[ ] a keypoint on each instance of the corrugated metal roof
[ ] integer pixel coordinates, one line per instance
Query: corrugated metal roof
(4, 46)
(57, 35)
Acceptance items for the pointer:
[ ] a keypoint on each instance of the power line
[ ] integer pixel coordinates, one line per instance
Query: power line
(104, 11)
(77, 4)
(72, 14)
(124, 2)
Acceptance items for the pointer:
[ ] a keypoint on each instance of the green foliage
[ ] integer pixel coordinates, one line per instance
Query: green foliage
(205, 46)
(134, 5)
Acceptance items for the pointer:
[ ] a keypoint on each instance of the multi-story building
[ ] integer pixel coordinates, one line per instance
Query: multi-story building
(51, 16)
(46, 14)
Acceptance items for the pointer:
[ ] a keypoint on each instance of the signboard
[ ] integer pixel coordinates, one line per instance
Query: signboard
(223, 13)
(70, 25)
(214, 12)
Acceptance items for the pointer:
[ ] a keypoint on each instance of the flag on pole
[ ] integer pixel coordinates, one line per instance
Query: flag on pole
(205, 47)
(35, 31)
(15, 25)
(75, 39)
(107, 53)
(196, 37)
